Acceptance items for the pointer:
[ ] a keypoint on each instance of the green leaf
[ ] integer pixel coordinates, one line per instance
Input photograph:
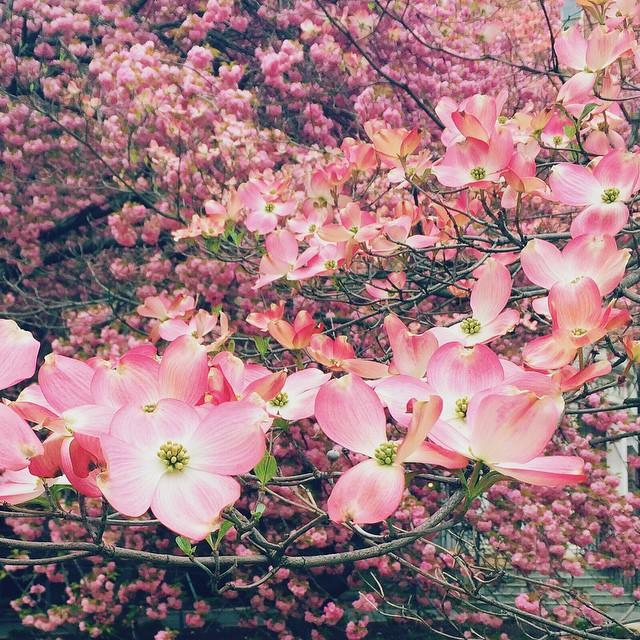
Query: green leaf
(281, 423)
(184, 545)
(588, 108)
(222, 532)
(266, 468)
(259, 510)
(569, 130)
(262, 345)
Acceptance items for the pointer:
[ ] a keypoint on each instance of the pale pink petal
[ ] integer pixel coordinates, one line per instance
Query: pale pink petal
(65, 382)
(548, 352)
(18, 443)
(599, 258)
(189, 502)
(461, 371)
(350, 413)
(578, 89)
(546, 471)
(134, 380)
(132, 475)
(365, 368)
(17, 487)
(514, 427)
(18, 354)
(431, 453)
(571, 378)
(395, 392)
(154, 425)
(600, 219)
(184, 370)
(423, 416)
(574, 184)
(88, 423)
(172, 329)
(571, 48)
(367, 493)
(618, 169)
(230, 439)
(575, 305)
(411, 352)
(491, 292)
(503, 323)
(543, 263)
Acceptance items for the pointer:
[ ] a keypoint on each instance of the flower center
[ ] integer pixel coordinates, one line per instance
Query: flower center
(386, 453)
(313, 228)
(557, 140)
(281, 400)
(174, 455)
(354, 229)
(470, 326)
(269, 207)
(610, 195)
(149, 408)
(478, 173)
(578, 331)
(330, 264)
(461, 406)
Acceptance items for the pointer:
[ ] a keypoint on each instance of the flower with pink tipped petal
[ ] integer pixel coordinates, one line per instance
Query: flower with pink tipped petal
(297, 398)
(476, 117)
(594, 256)
(20, 486)
(263, 211)
(411, 351)
(19, 444)
(510, 429)
(489, 297)
(578, 319)
(393, 145)
(338, 355)
(475, 163)
(297, 335)
(603, 190)
(261, 320)
(18, 354)
(179, 464)
(349, 413)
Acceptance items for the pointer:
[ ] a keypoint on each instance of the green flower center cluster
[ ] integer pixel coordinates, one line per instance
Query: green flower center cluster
(470, 326)
(578, 331)
(281, 400)
(174, 456)
(269, 207)
(610, 195)
(386, 453)
(462, 404)
(478, 173)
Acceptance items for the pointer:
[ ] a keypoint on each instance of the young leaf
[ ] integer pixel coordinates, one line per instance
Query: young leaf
(266, 468)
(184, 545)
(222, 532)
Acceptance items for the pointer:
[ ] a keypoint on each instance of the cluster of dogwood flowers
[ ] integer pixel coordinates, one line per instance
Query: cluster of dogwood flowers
(169, 434)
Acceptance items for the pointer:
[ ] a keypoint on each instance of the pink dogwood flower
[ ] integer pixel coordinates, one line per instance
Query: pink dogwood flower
(339, 355)
(296, 400)
(596, 257)
(349, 413)
(179, 465)
(18, 353)
(603, 190)
(411, 351)
(489, 297)
(475, 163)
(578, 319)
(264, 210)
